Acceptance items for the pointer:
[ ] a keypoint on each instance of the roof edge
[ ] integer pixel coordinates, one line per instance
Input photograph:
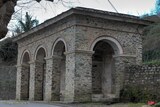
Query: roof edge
(85, 11)
(45, 24)
(113, 15)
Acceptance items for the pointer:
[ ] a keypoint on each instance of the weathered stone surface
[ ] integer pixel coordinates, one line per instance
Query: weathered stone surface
(32, 81)
(39, 81)
(48, 79)
(83, 76)
(73, 37)
(146, 77)
(7, 82)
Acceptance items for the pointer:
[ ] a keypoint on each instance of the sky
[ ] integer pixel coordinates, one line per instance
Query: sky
(46, 10)
(134, 7)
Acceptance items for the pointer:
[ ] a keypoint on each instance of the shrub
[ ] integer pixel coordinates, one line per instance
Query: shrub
(136, 94)
(8, 50)
(157, 105)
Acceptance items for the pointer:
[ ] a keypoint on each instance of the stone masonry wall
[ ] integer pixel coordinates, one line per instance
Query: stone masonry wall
(145, 76)
(7, 82)
(90, 28)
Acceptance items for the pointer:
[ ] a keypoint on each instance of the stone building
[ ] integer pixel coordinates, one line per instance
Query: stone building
(78, 56)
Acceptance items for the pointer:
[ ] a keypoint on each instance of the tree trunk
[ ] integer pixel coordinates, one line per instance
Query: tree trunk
(6, 11)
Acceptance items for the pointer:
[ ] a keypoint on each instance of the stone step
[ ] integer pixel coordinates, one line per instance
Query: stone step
(101, 98)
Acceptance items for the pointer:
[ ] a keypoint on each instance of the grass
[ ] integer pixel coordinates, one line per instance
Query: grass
(136, 104)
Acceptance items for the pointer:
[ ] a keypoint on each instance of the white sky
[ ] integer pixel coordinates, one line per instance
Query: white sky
(46, 10)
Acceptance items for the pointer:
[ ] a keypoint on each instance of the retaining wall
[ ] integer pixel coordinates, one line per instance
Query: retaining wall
(7, 82)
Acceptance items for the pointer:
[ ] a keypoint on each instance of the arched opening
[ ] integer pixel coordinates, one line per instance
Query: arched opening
(25, 76)
(40, 74)
(102, 69)
(59, 69)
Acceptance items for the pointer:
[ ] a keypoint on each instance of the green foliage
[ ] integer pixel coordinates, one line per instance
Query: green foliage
(157, 105)
(152, 62)
(157, 7)
(151, 41)
(136, 94)
(151, 56)
(26, 24)
(151, 37)
(8, 50)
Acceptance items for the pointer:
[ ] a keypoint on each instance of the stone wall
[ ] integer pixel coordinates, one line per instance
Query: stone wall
(7, 82)
(146, 77)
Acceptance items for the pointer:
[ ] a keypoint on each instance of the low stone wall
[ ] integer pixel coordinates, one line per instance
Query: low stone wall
(7, 82)
(145, 76)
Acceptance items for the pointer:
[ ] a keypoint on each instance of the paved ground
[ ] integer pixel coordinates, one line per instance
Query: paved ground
(54, 104)
(24, 104)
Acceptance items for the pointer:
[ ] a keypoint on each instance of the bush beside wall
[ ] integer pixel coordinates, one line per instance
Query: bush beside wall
(141, 83)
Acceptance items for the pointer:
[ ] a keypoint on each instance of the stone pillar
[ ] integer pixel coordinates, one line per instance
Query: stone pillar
(121, 61)
(18, 83)
(22, 85)
(78, 76)
(48, 75)
(55, 94)
(69, 77)
(32, 81)
(39, 80)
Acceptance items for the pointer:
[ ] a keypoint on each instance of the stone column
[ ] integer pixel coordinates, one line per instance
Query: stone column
(69, 77)
(48, 75)
(22, 85)
(18, 83)
(55, 94)
(39, 80)
(78, 76)
(32, 81)
(121, 61)
(36, 80)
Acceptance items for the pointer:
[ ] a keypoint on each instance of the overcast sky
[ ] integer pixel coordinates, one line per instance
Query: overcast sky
(46, 10)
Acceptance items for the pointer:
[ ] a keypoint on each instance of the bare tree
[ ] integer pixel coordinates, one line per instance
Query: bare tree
(7, 10)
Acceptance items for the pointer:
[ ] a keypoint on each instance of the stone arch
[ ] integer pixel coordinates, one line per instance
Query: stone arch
(59, 69)
(25, 82)
(55, 43)
(23, 54)
(103, 66)
(37, 49)
(40, 66)
(110, 40)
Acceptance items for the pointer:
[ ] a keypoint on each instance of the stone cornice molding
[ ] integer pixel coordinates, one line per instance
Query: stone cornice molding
(38, 61)
(124, 55)
(53, 57)
(80, 51)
